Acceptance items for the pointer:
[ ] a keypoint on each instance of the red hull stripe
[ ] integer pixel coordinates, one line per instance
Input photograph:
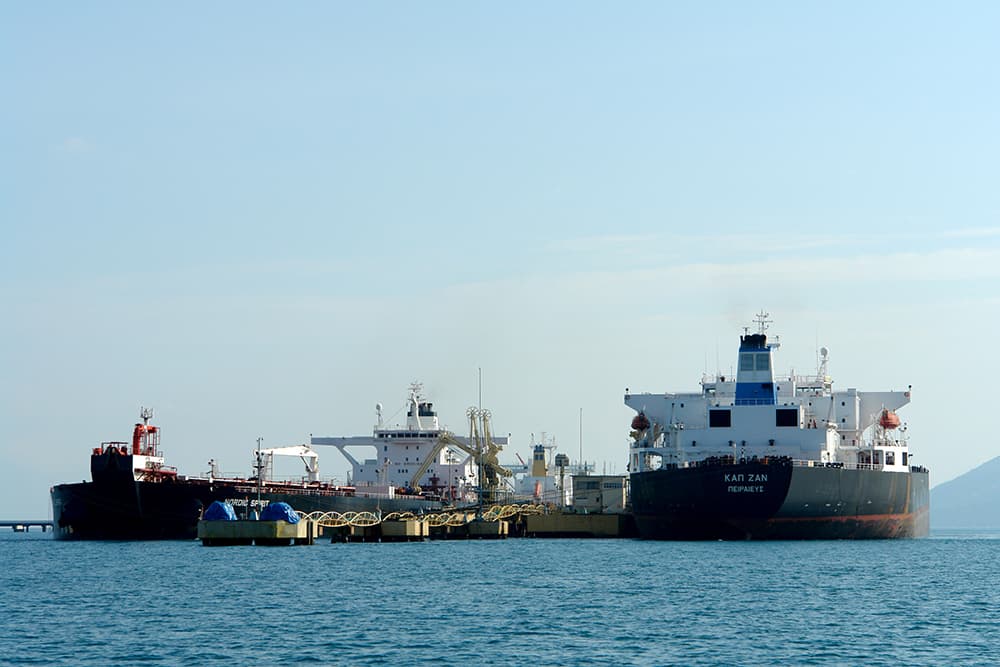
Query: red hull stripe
(843, 519)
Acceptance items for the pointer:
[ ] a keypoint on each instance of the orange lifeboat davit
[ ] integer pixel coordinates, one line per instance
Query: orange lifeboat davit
(144, 439)
(137, 437)
(888, 419)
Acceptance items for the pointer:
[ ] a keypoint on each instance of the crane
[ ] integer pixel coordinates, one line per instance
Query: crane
(480, 447)
(304, 452)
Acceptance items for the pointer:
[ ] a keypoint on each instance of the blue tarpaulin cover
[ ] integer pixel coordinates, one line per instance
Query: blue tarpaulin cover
(279, 512)
(219, 511)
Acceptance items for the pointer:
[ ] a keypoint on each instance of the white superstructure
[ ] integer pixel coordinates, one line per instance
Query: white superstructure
(549, 477)
(420, 455)
(757, 414)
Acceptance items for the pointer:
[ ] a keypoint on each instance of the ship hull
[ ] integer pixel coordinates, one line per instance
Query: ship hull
(765, 500)
(170, 510)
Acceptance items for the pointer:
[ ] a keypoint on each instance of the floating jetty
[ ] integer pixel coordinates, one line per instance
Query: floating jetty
(496, 523)
(261, 533)
(417, 530)
(278, 525)
(566, 524)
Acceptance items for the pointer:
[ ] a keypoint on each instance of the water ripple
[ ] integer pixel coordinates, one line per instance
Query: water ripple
(536, 602)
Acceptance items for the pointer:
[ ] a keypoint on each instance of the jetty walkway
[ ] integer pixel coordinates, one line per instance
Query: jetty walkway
(22, 526)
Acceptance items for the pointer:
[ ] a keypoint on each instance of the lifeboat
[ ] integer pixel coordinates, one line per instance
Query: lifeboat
(888, 420)
(144, 439)
(640, 422)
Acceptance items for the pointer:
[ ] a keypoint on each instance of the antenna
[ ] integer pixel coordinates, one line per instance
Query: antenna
(260, 465)
(817, 350)
(416, 389)
(146, 414)
(762, 321)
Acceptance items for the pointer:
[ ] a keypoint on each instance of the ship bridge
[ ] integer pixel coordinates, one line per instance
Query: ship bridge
(421, 454)
(759, 414)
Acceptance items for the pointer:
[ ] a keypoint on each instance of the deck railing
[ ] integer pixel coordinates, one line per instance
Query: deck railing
(723, 461)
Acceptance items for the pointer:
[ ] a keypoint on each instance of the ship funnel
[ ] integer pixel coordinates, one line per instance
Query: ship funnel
(538, 461)
(755, 374)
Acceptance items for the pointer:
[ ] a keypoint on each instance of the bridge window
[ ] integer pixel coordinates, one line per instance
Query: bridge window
(786, 417)
(720, 418)
(763, 362)
(746, 361)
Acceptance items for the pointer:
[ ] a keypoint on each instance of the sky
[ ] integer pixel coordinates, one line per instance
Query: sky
(262, 220)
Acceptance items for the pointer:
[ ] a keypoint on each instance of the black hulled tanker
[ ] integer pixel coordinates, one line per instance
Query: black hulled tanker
(170, 509)
(133, 496)
(774, 499)
(765, 458)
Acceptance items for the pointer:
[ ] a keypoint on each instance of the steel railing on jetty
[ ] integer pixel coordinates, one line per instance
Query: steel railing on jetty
(453, 518)
(723, 461)
(457, 523)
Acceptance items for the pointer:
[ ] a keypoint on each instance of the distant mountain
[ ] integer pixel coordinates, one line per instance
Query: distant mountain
(969, 501)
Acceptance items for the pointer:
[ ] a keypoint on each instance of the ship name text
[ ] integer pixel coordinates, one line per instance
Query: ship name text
(749, 477)
(247, 502)
(738, 482)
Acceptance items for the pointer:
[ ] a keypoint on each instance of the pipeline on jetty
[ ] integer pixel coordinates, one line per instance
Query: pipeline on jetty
(495, 522)
(435, 519)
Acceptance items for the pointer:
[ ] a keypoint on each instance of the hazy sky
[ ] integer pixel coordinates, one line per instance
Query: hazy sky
(261, 220)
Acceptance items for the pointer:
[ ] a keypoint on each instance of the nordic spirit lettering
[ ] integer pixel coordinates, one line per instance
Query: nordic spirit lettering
(745, 482)
(247, 502)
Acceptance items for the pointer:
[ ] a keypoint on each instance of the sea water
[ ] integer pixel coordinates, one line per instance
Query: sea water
(515, 602)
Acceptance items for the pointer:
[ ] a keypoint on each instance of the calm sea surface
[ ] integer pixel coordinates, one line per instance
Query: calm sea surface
(516, 602)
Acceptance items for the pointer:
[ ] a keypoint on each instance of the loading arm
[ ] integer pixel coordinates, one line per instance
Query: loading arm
(446, 439)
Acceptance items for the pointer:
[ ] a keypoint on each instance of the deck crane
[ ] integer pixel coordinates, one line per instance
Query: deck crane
(309, 457)
(480, 447)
